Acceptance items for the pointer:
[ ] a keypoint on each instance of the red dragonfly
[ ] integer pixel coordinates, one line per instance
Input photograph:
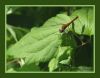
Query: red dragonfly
(66, 25)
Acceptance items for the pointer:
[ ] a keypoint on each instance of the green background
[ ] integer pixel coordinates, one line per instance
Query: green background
(45, 75)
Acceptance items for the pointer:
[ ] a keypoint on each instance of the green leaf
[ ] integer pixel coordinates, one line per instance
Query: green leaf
(85, 23)
(45, 54)
(66, 61)
(41, 44)
(9, 28)
(53, 64)
(61, 51)
(58, 20)
(30, 67)
(14, 34)
(68, 39)
(11, 70)
(38, 45)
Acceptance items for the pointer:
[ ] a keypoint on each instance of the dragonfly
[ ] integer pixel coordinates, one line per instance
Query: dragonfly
(66, 25)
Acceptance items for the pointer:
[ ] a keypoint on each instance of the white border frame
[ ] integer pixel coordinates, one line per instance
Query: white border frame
(53, 6)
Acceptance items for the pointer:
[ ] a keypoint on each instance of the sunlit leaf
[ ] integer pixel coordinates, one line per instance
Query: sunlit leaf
(53, 64)
(66, 61)
(85, 23)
